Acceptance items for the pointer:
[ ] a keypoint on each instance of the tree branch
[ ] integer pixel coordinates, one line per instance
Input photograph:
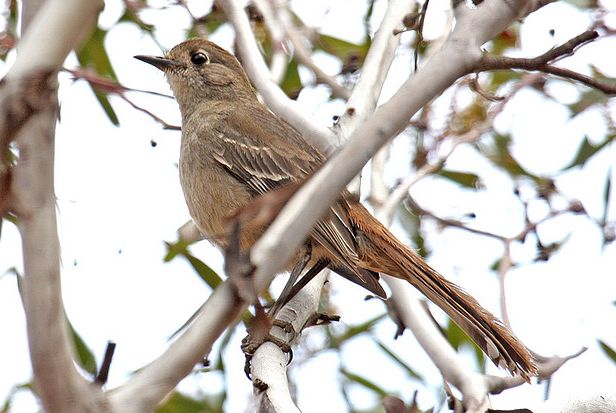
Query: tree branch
(258, 72)
(32, 199)
(152, 383)
(374, 71)
(269, 363)
(542, 63)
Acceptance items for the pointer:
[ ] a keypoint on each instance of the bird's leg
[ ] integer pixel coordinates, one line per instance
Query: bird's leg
(295, 273)
(310, 274)
(238, 267)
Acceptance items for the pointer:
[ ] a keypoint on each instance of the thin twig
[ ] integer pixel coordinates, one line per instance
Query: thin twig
(419, 31)
(543, 63)
(103, 374)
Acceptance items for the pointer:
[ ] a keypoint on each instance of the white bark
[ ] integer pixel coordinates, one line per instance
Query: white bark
(152, 383)
(269, 363)
(60, 387)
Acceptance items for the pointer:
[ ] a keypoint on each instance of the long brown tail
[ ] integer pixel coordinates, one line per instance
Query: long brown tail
(382, 252)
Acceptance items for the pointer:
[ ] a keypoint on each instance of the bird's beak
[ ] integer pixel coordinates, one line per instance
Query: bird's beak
(161, 63)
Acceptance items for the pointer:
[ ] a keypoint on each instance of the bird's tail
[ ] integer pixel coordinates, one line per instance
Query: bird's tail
(382, 252)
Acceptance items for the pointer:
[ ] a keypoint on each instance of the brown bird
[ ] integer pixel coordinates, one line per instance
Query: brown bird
(234, 150)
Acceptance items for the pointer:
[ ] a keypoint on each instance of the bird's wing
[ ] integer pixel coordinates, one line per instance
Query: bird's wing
(264, 153)
(261, 151)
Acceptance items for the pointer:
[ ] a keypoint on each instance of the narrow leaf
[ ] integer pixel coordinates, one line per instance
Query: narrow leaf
(85, 357)
(466, 179)
(180, 403)
(93, 55)
(364, 382)
(291, 83)
(609, 351)
(399, 361)
(586, 151)
(606, 195)
(341, 48)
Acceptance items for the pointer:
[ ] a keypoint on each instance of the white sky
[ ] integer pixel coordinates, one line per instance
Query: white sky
(119, 198)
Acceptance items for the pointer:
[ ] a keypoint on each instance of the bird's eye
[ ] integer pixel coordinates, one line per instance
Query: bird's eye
(199, 58)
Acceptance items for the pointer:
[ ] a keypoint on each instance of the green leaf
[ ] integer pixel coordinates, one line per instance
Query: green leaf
(181, 403)
(582, 4)
(399, 361)
(362, 381)
(129, 16)
(458, 338)
(610, 352)
(586, 151)
(589, 98)
(466, 179)
(500, 77)
(291, 83)
(85, 357)
(204, 271)
(500, 156)
(353, 331)
(505, 40)
(606, 195)
(93, 55)
(412, 225)
(341, 48)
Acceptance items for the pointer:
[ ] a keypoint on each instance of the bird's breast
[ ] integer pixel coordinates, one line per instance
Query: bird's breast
(211, 193)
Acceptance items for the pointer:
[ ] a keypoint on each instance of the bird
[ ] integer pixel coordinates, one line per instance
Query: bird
(234, 150)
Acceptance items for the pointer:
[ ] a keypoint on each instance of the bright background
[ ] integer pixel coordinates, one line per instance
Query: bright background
(119, 199)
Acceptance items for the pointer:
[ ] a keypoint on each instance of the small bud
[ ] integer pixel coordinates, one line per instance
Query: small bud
(577, 207)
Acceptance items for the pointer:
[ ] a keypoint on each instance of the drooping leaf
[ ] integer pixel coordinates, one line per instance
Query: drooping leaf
(499, 155)
(466, 179)
(353, 331)
(181, 403)
(582, 4)
(93, 55)
(586, 151)
(458, 338)
(609, 351)
(588, 98)
(291, 83)
(85, 357)
(412, 225)
(469, 117)
(399, 361)
(606, 195)
(129, 16)
(500, 77)
(364, 382)
(205, 272)
(341, 48)
(214, 19)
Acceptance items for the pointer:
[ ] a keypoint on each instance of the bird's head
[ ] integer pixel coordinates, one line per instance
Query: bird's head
(198, 71)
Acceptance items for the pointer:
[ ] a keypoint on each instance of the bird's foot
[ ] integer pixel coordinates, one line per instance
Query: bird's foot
(256, 337)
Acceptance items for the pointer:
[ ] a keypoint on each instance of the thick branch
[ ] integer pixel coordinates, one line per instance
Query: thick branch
(32, 199)
(152, 383)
